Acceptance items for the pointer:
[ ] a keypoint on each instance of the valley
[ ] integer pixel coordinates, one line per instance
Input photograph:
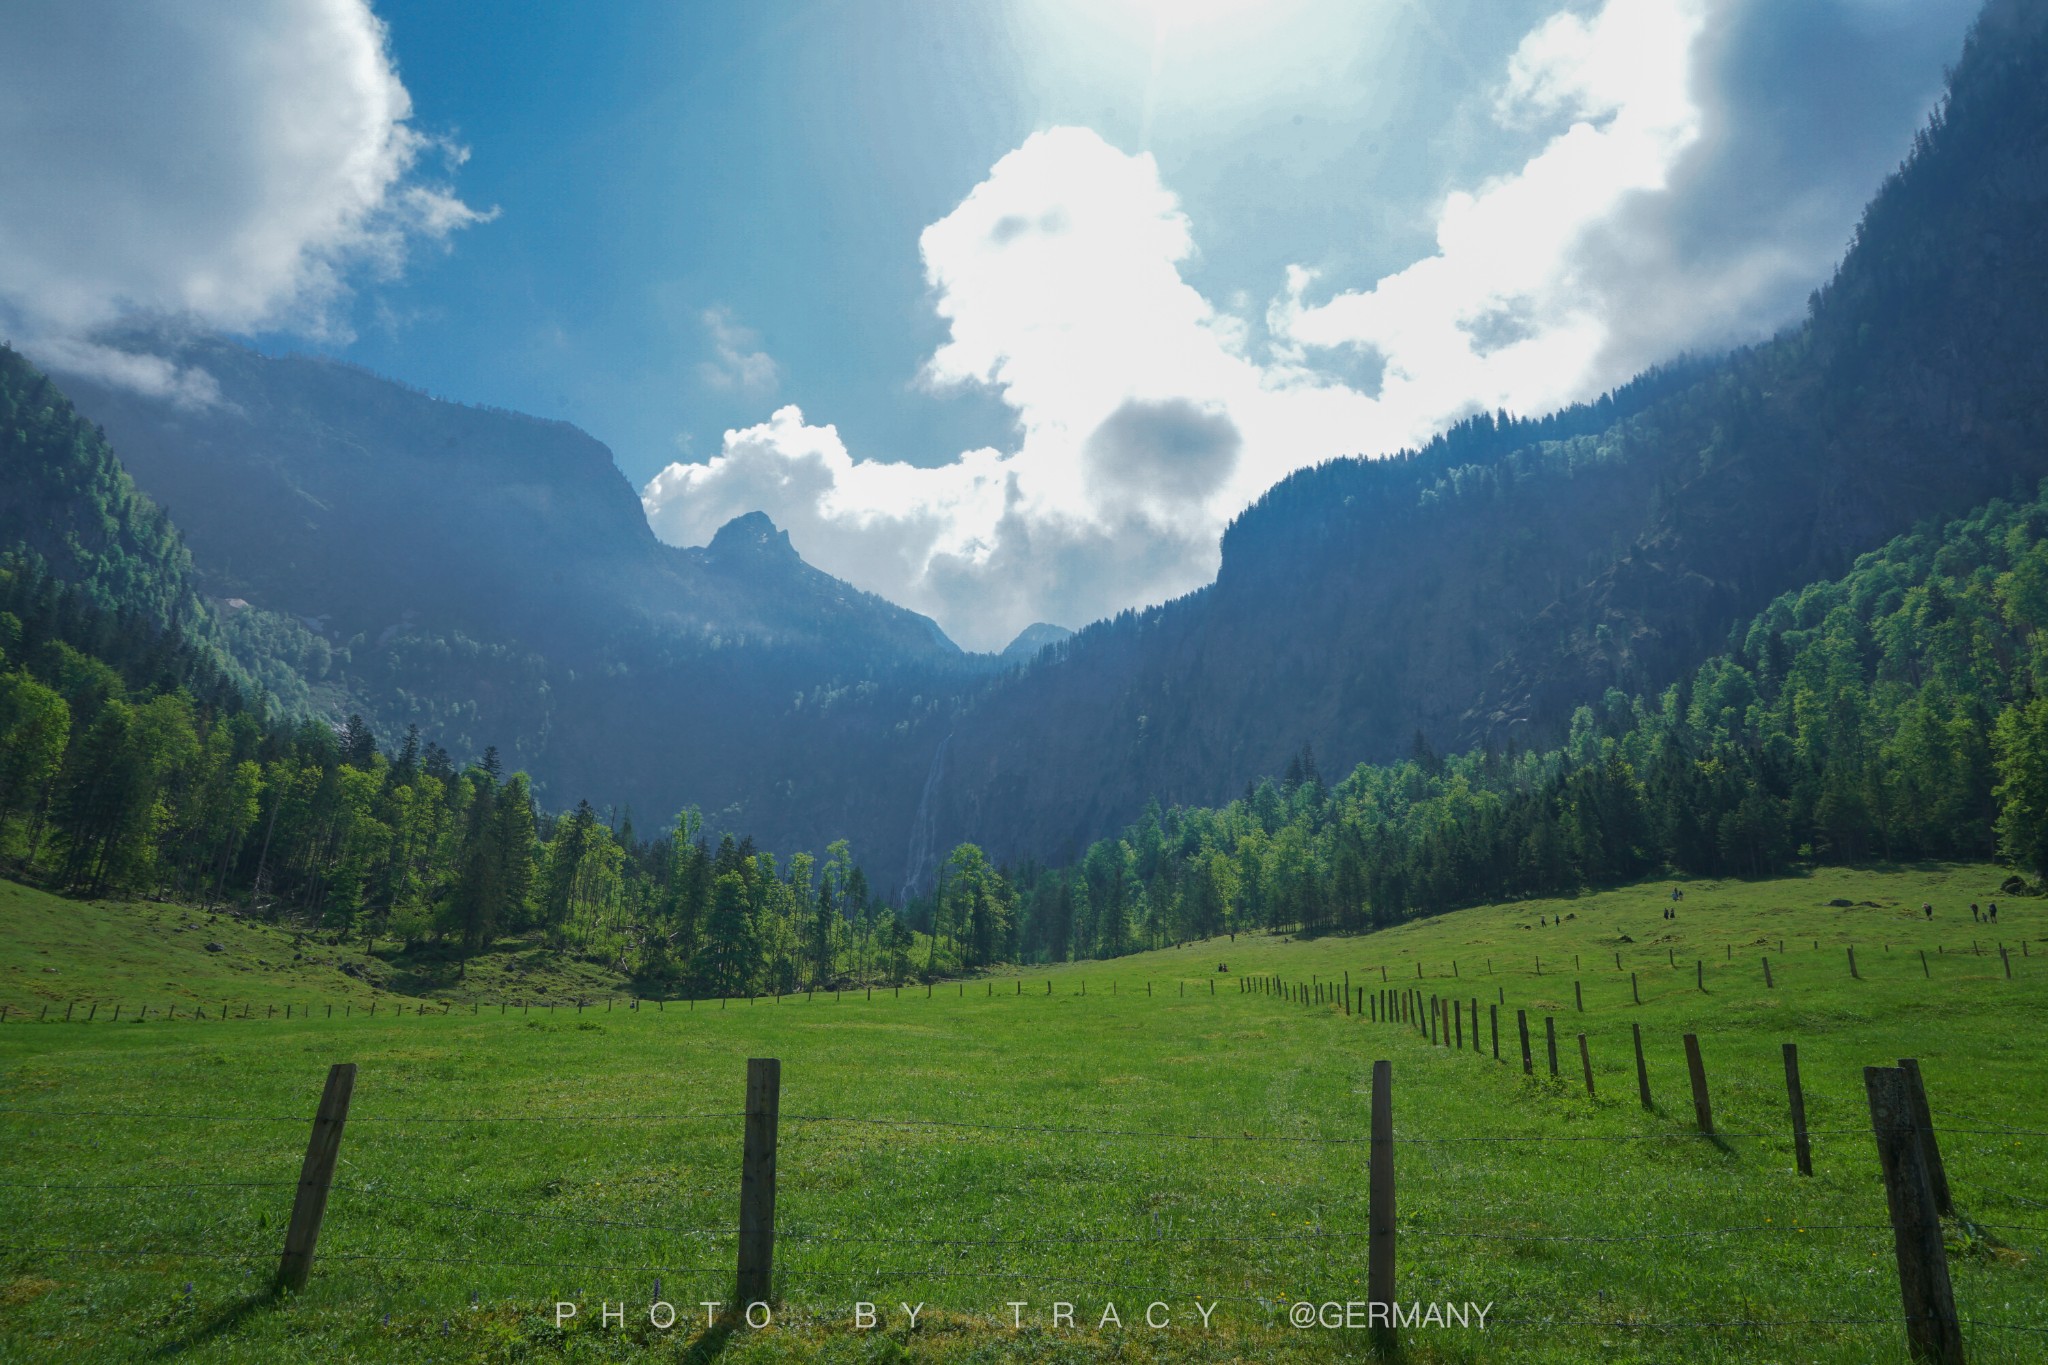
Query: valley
(1151, 1131)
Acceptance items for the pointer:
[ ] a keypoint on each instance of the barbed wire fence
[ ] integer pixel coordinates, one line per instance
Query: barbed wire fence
(758, 1263)
(1313, 990)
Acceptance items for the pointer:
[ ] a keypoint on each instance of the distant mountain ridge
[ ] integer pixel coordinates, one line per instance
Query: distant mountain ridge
(492, 578)
(321, 489)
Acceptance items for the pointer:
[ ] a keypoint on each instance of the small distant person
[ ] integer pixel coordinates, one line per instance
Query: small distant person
(1994, 912)
(1927, 908)
(1974, 916)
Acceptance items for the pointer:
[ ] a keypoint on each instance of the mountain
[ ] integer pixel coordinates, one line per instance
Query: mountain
(72, 505)
(1479, 590)
(491, 577)
(1033, 639)
(363, 505)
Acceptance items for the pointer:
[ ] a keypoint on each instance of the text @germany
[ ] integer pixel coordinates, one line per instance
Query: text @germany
(1018, 1314)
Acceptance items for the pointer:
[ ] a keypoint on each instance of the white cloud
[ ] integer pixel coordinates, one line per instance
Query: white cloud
(1144, 424)
(1500, 317)
(226, 165)
(1149, 417)
(737, 361)
(184, 386)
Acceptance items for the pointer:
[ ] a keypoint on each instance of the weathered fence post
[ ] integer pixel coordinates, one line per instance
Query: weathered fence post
(1579, 996)
(1932, 1332)
(1379, 1273)
(1699, 974)
(757, 1182)
(1702, 1110)
(1768, 984)
(1550, 1039)
(1586, 1062)
(1493, 1024)
(1923, 1120)
(1800, 1147)
(1642, 1068)
(1634, 988)
(1852, 964)
(316, 1174)
(1528, 1061)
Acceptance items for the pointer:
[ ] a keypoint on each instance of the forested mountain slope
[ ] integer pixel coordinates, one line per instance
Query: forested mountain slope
(491, 578)
(352, 500)
(1478, 590)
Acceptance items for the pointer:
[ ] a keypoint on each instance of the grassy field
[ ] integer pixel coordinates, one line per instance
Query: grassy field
(150, 955)
(1161, 1138)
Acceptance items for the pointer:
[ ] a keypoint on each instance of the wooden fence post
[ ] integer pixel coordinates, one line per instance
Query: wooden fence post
(1699, 974)
(1768, 985)
(1930, 1149)
(1642, 1068)
(1801, 1148)
(1635, 989)
(1702, 1110)
(1932, 1332)
(1579, 996)
(1586, 1062)
(316, 1174)
(1379, 1273)
(1528, 1061)
(757, 1182)
(1493, 1022)
(1852, 964)
(1550, 1038)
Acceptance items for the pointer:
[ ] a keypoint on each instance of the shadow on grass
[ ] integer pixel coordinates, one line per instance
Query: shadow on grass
(221, 1323)
(710, 1344)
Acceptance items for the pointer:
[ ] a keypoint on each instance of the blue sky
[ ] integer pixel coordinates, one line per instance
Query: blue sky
(654, 161)
(1003, 310)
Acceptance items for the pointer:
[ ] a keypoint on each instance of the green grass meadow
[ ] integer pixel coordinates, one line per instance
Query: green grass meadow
(1004, 1142)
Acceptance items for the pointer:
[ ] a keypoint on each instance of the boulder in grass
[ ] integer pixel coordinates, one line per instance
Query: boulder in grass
(216, 947)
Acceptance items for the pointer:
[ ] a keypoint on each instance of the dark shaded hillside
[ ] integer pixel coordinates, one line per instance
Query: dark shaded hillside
(354, 501)
(1478, 590)
(491, 578)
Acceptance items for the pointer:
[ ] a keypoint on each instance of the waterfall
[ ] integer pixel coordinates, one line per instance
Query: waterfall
(924, 834)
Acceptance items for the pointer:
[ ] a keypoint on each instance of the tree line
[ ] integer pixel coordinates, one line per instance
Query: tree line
(1895, 713)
